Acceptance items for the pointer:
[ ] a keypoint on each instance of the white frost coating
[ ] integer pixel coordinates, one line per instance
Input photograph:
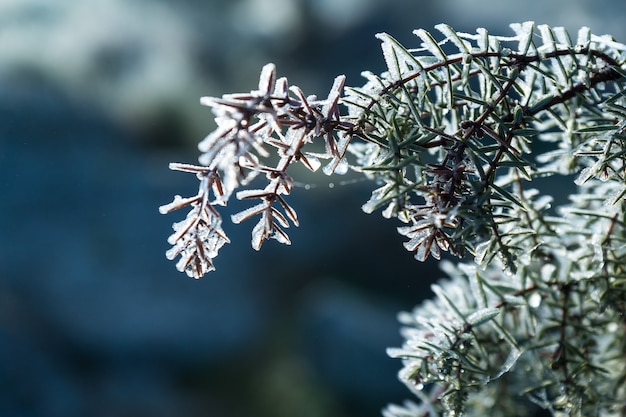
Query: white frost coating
(399, 352)
(339, 164)
(267, 79)
(562, 36)
(173, 252)
(376, 199)
(481, 252)
(197, 240)
(390, 56)
(417, 236)
(436, 288)
(549, 41)
(279, 218)
(282, 87)
(311, 162)
(225, 126)
(608, 42)
(509, 363)
(615, 196)
(399, 61)
(514, 300)
(259, 233)
(357, 99)
(446, 296)
(289, 211)
(335, 93)
(391, 211)
(422, 252)
(177, 203)
(597, 242)
(524, 34)
(430, 44)
(247, 213)
(467, 269)
(255, 193)
(482, 39)
(584, 176)
(208, 101)
(410, 408)
(482, 316)
(182, 227)
(584, 37)
(477, 289)
(449, 33)
(550, 44)
(281, 237)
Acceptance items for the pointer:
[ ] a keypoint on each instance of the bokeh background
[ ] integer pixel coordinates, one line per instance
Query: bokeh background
(96, 97)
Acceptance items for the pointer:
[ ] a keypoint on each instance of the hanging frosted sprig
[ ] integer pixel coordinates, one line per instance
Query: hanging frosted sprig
(276, 122)
(199, 237)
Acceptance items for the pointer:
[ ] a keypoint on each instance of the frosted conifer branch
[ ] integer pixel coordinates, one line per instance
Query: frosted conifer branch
(455, 133)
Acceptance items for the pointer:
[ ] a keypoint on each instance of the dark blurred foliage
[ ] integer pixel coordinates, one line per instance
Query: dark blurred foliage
(94, 321)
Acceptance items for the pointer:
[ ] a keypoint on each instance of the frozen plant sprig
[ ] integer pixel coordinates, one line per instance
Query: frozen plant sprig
(455, 134)
(198, 238)
(274, 116)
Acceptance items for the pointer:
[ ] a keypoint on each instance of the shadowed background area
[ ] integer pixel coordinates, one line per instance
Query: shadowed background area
(96, 98)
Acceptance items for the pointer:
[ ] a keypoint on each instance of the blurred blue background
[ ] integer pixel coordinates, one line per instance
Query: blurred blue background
(96, 97)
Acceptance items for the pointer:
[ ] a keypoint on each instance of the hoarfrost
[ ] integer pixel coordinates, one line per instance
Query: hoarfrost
(400, 62)
(511, 360)
(259, 233)
(378, 198)
(481, 251)
(334, 95)
(183, 226)
(584, 176)
(177, 203)
(267, 79)
(615, 196)
(429, 44)
(482, 316)
(338, 164)
(249, 212)
(257, 193)
(422, 252)
(311, 162)
(584, 37)
(524, 32)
